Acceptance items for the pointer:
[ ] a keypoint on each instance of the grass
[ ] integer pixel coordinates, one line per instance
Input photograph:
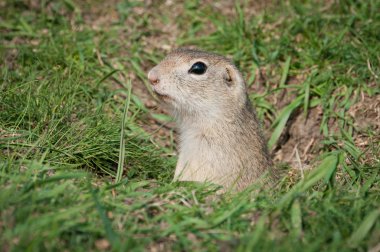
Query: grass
(66, 101)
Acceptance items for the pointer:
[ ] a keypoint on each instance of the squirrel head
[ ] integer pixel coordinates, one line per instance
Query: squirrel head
(198, 83)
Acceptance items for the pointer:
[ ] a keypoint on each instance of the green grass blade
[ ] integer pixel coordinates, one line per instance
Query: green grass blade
(121, 162)
(296, 218)
(324, 170)
(110, 233)
(306, 98)
(285, 71)
(257, 234)
(282, 119)
(106, 77)
(362, 231)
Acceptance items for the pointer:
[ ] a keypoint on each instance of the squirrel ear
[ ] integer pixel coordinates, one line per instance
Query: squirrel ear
(228, 77)
(232, 77)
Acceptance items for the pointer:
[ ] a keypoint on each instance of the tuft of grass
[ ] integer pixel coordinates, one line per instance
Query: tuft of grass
(79, 172)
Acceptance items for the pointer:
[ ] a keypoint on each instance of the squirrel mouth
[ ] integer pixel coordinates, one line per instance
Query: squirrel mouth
(162, 96)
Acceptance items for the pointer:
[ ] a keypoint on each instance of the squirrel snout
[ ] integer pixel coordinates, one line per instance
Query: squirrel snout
(153, 77)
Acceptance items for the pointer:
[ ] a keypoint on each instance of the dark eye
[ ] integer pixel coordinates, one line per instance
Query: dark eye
(198, 68)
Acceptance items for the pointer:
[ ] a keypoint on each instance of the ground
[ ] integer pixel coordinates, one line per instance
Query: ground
(87, 153)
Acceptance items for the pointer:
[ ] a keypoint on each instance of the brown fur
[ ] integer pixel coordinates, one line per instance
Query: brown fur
(220, 136)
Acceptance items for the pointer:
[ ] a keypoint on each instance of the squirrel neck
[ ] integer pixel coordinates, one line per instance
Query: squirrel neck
(229, 122)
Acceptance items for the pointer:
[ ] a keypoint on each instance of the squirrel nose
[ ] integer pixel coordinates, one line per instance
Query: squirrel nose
(153, 77)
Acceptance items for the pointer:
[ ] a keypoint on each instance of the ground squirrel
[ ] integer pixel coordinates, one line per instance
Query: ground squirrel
(220, 139)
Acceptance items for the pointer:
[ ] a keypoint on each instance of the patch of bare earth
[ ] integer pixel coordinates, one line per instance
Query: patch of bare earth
(299, 142)
(366, 116)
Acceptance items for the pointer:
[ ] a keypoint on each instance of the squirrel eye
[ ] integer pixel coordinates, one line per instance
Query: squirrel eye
(198, 68)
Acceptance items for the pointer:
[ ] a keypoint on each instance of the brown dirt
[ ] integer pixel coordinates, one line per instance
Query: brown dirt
(299, 142)
(366, 113)
(366, 117)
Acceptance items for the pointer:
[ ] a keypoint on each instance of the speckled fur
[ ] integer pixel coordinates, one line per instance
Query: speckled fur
(220, 136)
